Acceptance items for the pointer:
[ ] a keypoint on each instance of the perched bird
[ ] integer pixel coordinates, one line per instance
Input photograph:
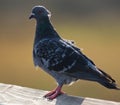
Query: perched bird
(60, 58)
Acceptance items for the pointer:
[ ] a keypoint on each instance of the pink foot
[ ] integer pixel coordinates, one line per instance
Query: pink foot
(53, 94)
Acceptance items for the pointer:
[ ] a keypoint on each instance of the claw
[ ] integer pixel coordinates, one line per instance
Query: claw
(53, 94)
(49, 94)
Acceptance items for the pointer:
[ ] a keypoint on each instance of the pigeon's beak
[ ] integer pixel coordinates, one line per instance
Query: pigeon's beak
(32, 15)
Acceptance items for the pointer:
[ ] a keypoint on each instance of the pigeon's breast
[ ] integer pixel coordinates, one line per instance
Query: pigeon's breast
(47, 52)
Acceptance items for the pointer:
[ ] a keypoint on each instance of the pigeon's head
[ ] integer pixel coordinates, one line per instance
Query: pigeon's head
(39, 12)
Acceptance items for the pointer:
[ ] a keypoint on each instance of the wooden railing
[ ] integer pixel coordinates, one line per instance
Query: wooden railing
(17, 95)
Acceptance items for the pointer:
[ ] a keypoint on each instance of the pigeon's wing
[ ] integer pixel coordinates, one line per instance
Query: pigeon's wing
(63, 57)
(84, 68)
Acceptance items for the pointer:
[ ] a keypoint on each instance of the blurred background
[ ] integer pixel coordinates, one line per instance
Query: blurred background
(93, 24)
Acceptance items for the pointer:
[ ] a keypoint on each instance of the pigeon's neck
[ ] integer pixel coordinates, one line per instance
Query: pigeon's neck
(44, 29)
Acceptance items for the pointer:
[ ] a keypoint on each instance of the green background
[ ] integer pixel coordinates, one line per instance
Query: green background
(93, 24)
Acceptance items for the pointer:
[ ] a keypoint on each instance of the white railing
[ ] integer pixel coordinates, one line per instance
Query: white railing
(17, 95)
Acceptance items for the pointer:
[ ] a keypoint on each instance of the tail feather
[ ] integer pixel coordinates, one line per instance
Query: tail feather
(109, 85)
(107, 81)
(107, 76)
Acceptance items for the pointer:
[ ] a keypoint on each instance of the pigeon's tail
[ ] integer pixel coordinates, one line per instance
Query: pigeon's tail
(107, 81)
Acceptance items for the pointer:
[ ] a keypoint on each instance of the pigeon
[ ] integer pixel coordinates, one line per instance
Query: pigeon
(61, 58)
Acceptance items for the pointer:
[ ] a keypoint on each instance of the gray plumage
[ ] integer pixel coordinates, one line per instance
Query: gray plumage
(60, 58)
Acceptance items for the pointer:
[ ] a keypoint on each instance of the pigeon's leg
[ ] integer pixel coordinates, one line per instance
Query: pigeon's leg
(53, 94)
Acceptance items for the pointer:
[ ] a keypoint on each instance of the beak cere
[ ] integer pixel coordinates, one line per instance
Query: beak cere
(32, 15)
